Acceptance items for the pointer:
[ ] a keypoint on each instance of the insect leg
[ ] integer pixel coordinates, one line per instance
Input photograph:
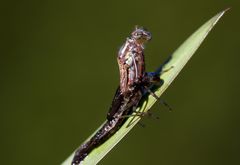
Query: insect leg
(141, 124)
(140, 114)
(158, 98)
(165, 104)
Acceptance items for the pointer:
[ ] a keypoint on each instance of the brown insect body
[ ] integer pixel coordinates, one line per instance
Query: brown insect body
(132, 76)
(131, 64)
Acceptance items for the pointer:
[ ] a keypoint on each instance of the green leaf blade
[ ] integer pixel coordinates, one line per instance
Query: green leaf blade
(178, 60)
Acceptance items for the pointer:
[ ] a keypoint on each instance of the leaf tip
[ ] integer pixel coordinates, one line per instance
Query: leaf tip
(226, 9)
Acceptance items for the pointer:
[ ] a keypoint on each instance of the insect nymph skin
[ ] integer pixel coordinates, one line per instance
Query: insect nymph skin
(133, 78)
(131, 64)
(131, 60)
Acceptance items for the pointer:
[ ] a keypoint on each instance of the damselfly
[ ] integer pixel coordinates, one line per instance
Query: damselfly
(134, 83)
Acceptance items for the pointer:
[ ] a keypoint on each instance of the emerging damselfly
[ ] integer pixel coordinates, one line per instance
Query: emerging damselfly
(134, 83)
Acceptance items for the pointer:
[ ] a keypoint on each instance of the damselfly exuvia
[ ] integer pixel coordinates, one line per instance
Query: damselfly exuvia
(134, 82)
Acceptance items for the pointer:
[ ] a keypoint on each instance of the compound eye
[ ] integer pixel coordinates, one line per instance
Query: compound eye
(138, 34)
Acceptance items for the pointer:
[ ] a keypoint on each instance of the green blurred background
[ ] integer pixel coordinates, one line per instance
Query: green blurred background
(59, 73)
